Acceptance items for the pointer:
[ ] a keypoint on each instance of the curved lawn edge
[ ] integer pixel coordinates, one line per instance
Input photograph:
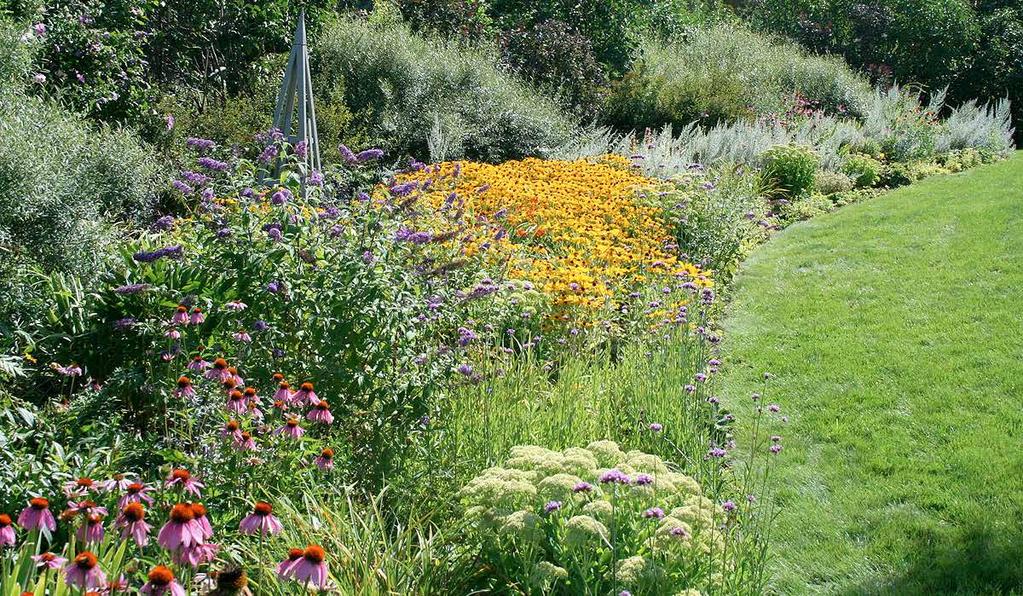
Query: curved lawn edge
(891, 327)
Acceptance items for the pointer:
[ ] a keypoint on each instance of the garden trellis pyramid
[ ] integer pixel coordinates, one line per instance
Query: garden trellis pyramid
(297, 92)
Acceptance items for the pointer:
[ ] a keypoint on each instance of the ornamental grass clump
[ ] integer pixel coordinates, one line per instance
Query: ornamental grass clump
(598, 519)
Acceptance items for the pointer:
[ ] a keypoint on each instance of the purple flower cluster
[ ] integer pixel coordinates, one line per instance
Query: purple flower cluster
(131, 289)
(174, 252)
(614, 476)
(200, 144)
(211, 164)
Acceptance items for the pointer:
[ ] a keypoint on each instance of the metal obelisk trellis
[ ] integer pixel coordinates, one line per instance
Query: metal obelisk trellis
(297, 91)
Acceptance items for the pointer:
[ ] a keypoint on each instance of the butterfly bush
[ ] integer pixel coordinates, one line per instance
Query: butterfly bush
(597, 517)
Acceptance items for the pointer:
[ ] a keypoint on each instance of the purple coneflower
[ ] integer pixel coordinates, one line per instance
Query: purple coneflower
(37, 515)
(47, 561)
(133, 523)
(284, 567)
(84, 572)
(180, 477)
(195, 555)
(244, 442)
(181, 530)
(242, 336)
(136, 492)
(290, 428)
(321, 413)
(161, 582)
(197, 317)
(261, 521)
(283, 393)
(184, 389)
(92, 530)
(199, 511)
(305, 395)
(325, 461)
(7, 534)
(311, 568)
(236, 402)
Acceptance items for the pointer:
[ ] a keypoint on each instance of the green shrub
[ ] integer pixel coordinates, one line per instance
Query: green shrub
(790, 169)
(725, 72)
(828, 183)
(807, 207)
(457, 100)
(864, 170)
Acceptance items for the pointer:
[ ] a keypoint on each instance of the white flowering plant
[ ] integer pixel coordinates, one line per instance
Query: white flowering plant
(598, 520)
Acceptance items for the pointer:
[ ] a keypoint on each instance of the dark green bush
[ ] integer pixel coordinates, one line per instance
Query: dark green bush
(790, 169)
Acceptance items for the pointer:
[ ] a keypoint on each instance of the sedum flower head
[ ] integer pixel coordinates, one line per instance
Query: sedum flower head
(638, 571)
(607, 453)
(557, 487)
(583, 531)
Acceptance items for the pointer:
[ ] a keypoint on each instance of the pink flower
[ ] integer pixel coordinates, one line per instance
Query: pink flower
(236, 402)
(117, 482)
(180, 316)
(325, 461)
(199, 511)
(283, 393)
(181, 530)
(161, 582)
(305, 395)
(92, 530)
(37, 515)
(219, 372)
(132, 523)
(254, 411)
(251, 396)
(79, 487)
(197, 317)
(236, 305)
(49, 561)
(7, 535)
(321, 413)
(260, 521)
(242, 336)
(135, 493)
(311, 567)
(290, 428)
(198, 364)
(87, 507)
(285, 566)
(84, 572)
(231, 430)
(245, 443)
(184, 389)
(184, 479)
(195, 555)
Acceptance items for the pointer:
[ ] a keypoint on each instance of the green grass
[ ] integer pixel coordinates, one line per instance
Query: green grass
(895, 330)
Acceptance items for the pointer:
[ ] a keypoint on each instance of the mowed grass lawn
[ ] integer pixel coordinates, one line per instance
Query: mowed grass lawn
(894, 329)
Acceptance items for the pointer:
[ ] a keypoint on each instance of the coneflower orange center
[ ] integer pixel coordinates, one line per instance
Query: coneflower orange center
(314, 554)
(263, 508)
(47, 557)
(5, 520)
(184, 382)
(292, 422)
(249, 391)
(160, 576)
(85, 560)
(134, 512)
(327, 453)
(220, 363)
(278, 377)
(198, 510)
(322, 405)
(39, 503)
(135, 488)
(295, 554)
(182, 308)
(307, 386)
(182, 513)
(84, 482)
(246, 436)
(180, 474)
(232, 425)
(237, 395)
(284, 385)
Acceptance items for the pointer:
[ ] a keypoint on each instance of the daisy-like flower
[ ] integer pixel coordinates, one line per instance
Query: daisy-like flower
(290, 428)
(195, 555)
(197, 317)
(242, 336)
(325, 461)
(135, 493)
(92, 530)
(117, 482)
(311, 568)
(199, 511)
(236, 305)
(181, 530)
(283, 393)
(198, 364)
(261, 521)
(321, 413)
(232, 430)
(284, 567)
(245, 442)
(37, 515)
(219, 372)
(7, 534)
(238, 380)
(183, 478)
(254, 411)
(251, 396)
(305, 395)
(236, 402)
(229, 385)
(48, 561)
(84, 572)
(180, 315)
(79, 487)
(161, 582)
(184, 389)
(132, 522)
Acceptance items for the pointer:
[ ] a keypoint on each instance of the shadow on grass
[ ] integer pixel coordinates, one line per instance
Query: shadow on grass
(979, 560)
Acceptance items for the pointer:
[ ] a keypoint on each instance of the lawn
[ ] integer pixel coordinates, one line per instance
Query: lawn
(894, 333)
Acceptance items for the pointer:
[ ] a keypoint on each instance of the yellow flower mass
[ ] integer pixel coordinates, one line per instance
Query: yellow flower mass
(575, 229)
